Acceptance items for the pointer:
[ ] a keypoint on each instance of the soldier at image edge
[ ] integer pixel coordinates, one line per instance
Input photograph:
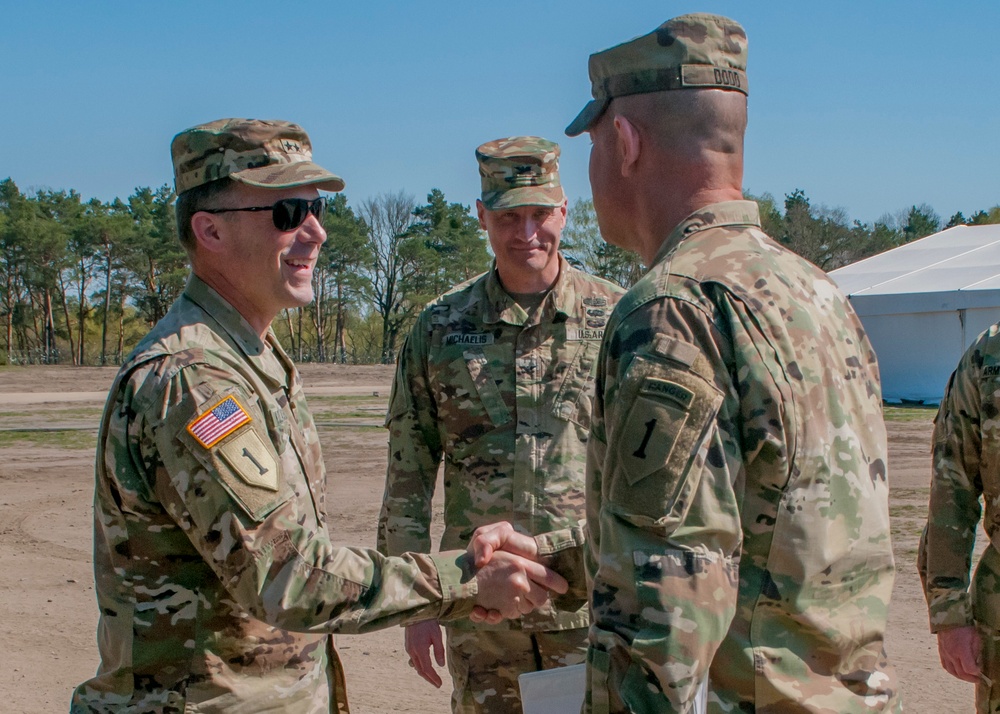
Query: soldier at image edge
(964, 612)
(217, 583)
(496, 379)
(737, 531)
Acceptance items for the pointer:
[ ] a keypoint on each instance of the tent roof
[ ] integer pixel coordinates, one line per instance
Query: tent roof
(955, 269)
(960, 258)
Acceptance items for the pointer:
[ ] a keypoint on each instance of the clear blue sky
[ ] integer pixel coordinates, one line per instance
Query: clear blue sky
(871, 106)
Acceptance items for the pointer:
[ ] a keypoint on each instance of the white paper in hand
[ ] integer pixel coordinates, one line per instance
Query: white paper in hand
(553, 691)
(561, 691)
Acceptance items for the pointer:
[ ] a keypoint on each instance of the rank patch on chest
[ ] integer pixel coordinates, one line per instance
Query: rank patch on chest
(218, 422)
(469, 338)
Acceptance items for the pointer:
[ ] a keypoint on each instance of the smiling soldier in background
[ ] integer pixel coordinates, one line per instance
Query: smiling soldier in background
(496, 379)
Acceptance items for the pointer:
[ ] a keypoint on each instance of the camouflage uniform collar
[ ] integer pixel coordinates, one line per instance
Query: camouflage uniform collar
(726, 213)
(501, 307)
(272, 366)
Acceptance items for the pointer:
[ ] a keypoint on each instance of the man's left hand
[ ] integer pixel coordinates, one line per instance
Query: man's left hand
(959, 649)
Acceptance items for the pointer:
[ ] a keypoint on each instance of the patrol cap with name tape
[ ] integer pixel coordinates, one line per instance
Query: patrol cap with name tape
(696, 51)
(520, 171)
(269, 154)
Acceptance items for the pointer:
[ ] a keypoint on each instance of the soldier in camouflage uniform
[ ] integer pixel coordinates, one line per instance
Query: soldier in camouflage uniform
(966, 462)
(496, 379)
(216, 579)
(737, 520)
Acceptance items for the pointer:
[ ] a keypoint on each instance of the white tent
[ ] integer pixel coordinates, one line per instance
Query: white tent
(924, 303)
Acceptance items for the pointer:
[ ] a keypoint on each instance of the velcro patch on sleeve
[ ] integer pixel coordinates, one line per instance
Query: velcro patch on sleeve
(220, 421)
(648, 438)
(660, 429)
(672, 348)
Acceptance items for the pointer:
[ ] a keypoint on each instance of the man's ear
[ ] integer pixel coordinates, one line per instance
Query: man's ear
(563, 210)
(207, 229)
(481, 212)
(628, 144)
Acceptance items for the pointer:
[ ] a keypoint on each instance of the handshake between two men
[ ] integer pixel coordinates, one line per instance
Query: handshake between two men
(511, 583)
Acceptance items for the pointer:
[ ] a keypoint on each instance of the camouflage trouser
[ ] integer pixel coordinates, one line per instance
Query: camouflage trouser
(484, 664)
(988, 689)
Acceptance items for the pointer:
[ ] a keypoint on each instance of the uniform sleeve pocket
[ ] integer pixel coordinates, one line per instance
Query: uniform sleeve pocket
(399, 399)
(670, 576)
(661, 424)
(683, 618)
(598, 666)
(985, 595)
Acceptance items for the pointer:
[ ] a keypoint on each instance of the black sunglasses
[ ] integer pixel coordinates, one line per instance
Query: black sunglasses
(287, 214)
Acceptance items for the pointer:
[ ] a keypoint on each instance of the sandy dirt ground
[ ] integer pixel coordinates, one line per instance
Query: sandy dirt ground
(48, 419)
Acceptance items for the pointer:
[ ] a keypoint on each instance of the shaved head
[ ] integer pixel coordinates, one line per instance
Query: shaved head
(689, 122)
(658, 156)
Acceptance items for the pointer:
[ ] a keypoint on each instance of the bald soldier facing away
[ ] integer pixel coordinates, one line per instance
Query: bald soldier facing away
(496, 379)
(737, 521)
(215, 576)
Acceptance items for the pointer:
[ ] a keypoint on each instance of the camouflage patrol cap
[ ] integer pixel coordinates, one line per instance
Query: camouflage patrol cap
(520, 171)
(269, 154)
(697, 51)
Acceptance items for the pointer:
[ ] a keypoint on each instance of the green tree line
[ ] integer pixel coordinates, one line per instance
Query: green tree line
(82, 281)
(824, 236)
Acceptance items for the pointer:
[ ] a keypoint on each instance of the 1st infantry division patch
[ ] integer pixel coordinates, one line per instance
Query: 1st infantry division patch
(218, 422)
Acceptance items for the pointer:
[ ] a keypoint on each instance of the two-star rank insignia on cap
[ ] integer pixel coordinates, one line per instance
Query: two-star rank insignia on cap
(218, 422)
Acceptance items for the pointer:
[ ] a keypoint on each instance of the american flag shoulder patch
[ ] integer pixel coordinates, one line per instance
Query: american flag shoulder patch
(218, 422)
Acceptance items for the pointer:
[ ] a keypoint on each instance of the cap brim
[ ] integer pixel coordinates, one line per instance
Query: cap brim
(590, 113)
(302, 173)
(526, 196)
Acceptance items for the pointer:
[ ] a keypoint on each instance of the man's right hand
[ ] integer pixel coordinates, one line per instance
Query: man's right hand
(500, 536)
(419, 640)
(959, 649)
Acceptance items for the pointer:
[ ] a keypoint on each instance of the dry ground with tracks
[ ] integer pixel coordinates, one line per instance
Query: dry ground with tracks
(48, 419)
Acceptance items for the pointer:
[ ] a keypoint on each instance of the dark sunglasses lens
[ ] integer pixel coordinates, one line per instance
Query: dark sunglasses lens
(290, 213)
